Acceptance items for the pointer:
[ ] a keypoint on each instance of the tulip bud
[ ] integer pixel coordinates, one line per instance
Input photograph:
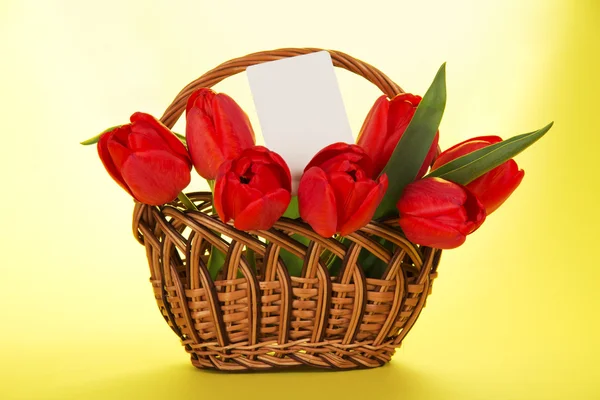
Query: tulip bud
(146, 159)
(493, 187)
(253, 189)
(337, 192)
(437, 213)
(384, 126)
(217, 130)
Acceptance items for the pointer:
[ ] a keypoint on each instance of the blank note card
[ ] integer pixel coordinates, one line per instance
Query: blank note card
(300, 107)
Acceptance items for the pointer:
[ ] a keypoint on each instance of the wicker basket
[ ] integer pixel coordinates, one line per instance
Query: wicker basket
(263, 318)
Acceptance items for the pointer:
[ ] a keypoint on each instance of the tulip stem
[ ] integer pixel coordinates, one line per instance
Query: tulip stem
(96, 138)
(211, 184)
(186, 201)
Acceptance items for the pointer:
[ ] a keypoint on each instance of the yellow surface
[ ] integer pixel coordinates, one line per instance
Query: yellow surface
(514, 313)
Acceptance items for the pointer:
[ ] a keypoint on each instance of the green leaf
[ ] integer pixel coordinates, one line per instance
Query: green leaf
(180, 137)
(471, 166)
(186, 201)
(293, 263)
(96, 138)
(334, 263)
(216, 260)
(292, 210)
(411, 150)
(371, 264)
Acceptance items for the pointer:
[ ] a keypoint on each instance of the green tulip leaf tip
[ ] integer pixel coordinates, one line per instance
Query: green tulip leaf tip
(469, 167)
(187, 203)
(292, 211)
(180, 137)
(95, 139)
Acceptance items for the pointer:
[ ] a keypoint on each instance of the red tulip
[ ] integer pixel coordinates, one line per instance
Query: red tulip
(437, 213)
(384, 126)
(493, 187)
(253, 189)
(217, 130)
(337, 192)
(146, 159)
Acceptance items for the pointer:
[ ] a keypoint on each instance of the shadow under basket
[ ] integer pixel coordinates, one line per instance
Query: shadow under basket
(258, 315)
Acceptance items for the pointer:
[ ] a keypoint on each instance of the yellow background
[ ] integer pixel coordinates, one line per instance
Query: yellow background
(514, 313)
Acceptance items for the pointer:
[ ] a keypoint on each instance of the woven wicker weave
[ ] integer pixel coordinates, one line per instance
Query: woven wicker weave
(265, 318)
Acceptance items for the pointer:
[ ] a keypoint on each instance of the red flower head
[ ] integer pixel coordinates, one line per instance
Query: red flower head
(253, 189)
(384, 126)
(217, 130)
(493, 187)
(437, 213)
(146, 159)
(338, 192)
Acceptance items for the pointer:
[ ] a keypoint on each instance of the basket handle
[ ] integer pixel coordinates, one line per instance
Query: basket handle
(237, 65)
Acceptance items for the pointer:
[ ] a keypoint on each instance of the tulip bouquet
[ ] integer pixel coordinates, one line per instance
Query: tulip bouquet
(328, 264)
(394, 172)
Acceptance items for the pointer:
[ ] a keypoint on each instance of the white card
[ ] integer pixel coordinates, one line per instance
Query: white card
(300, 108)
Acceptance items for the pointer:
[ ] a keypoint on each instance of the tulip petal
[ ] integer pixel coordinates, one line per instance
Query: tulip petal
(262, 213)
(464, 147)
(413, 99)
(253, 189)
(384, 126)
(142, 139)
(438, 213)
(431, 233)
(374, 132)
(367, 204)
(146, 123)
(317, 203)
(107, 160)
(232, 122)
(401, 111)
(495, 186)
(155, 177)
(475, 212)
(259, 156)
(457, 219)
(239, 195)
(429, 157)
(201, 98)
(118, 153)
(220, 199)
(242, 165)
(217, 130)
(329, 158)
(199, 132)
(267, 178)
(431, 197)
(350, 194)
(285, 173)
(343, 188)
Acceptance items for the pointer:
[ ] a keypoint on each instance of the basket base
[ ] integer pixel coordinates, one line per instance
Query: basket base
(301, 355)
